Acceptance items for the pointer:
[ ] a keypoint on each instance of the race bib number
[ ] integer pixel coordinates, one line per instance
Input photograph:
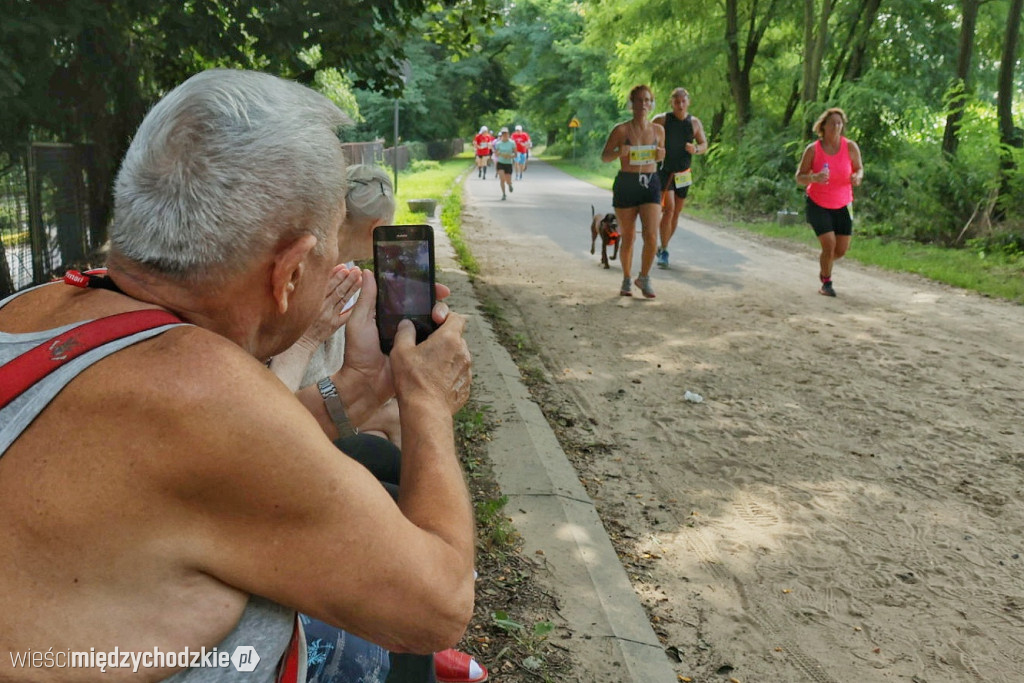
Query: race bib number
(642, 154)
(683, 178)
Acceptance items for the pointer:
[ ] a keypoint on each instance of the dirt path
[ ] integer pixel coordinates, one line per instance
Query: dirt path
(845, 503)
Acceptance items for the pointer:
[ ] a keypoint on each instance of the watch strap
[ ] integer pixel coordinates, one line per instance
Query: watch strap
(329, 393)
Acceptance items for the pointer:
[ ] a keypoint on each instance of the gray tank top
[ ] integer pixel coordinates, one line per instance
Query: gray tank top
(264, 626)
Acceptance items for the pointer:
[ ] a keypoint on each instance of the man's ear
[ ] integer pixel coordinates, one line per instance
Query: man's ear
(290, 263)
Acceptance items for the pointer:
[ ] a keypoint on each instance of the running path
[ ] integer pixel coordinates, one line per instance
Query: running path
(844, 503)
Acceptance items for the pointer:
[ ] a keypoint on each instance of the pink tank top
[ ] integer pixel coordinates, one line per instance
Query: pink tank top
(837, 192)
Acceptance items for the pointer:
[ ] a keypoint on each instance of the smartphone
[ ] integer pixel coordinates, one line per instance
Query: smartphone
(403, 266)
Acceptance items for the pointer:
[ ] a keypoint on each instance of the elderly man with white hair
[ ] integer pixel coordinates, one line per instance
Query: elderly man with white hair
(160, 490)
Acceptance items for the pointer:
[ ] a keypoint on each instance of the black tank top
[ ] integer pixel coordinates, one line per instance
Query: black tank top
(677, 134)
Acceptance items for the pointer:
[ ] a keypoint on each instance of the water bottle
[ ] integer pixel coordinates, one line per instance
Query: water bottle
(824, 169)
(692, 397)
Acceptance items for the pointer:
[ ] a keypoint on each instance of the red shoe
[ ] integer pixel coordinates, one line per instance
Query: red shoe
(452, 666)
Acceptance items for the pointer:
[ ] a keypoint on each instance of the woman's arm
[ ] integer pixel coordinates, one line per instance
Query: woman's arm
(613, 148)
(804, 177)
(856, 165)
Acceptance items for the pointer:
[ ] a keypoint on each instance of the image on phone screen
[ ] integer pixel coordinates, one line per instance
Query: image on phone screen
(404, 270)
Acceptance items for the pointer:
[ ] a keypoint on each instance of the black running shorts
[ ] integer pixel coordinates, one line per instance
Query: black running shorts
(825, 220)
(634, 189)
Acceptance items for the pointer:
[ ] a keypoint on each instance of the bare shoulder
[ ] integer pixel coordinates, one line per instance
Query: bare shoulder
(659, 119)
(619, 130)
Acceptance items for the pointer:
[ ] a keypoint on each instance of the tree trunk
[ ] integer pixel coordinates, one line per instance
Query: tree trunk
(815, 39)
(739, 69)
(962, 87)
(859, 47)
(852, 59)
(810, 85)
(792, 104)
(738, 85)
(1009, 135)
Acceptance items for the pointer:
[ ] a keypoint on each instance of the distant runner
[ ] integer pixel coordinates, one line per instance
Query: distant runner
(482, 142)
(523, 145)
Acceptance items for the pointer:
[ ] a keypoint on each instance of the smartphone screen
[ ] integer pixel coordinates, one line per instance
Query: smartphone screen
(403, 265)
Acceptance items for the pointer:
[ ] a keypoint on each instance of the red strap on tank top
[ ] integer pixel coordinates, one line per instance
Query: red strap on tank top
(20, 373)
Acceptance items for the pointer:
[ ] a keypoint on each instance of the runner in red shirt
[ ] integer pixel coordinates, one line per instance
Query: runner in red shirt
(523, 145)
(482, 142)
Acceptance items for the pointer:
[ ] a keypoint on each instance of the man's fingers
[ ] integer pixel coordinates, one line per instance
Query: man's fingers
(364, 306)
(440, 312)
(406, 334)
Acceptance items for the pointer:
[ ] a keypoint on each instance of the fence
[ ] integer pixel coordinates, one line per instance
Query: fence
(47, 224)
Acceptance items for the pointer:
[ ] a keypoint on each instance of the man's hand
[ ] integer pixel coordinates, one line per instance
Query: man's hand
(440, 366)
(365, 381)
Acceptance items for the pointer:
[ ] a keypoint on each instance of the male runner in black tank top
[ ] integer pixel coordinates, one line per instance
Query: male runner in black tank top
(684, 137)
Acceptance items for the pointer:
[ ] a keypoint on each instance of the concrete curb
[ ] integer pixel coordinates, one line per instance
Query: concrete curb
(549, 507)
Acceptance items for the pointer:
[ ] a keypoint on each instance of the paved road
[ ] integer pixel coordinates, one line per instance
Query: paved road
(549, 203)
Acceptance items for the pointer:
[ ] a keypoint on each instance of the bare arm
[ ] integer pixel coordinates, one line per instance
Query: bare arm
(266, 504)
(857, 167)
(804, 177)
(614, 147)
(700, 143)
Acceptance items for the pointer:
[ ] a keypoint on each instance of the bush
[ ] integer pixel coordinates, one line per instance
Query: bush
(417, 165)
(754, 178)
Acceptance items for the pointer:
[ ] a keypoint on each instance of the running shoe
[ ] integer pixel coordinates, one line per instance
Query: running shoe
(644, 283)
(826, 289)
(627, 288)
(452, 666)
(662, 258)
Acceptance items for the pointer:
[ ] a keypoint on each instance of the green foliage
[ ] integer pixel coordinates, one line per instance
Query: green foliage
(87, 70)
(444, 96)
(420, 165)
(753, 177)
(530, 640)
(496, 530)
(473, 423)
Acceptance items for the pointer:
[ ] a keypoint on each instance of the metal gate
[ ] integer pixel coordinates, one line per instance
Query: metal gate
(45, 219)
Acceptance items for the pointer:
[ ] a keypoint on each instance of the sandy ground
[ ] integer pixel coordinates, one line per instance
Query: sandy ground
(845, 502)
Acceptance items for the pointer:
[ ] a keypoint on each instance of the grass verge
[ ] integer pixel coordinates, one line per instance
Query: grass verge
(509, 632)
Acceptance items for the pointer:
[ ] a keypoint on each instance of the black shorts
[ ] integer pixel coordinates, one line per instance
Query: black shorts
(634, 189)
(825, 220)
(665, 177)
(507, 168)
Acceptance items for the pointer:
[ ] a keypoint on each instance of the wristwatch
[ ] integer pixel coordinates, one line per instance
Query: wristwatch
(329, 393)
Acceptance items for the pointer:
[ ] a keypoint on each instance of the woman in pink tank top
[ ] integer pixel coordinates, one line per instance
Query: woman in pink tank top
(829, 169)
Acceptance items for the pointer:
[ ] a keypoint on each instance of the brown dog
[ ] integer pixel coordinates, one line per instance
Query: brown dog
(607, 227)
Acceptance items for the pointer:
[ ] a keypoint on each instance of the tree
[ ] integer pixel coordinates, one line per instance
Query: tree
(961, 85)
(87, 70)
(741, 58)
(815, 40)
(1009, 134)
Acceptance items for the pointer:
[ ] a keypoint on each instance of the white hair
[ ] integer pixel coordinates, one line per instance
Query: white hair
(370, 196)
(223, 168)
